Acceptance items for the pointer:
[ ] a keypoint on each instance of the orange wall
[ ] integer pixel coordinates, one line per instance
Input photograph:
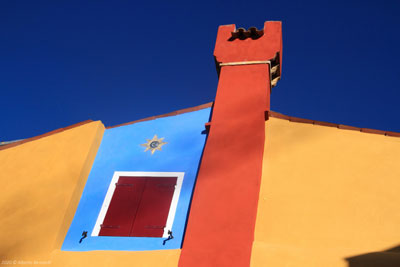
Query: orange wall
(42, 182)
(326, 195)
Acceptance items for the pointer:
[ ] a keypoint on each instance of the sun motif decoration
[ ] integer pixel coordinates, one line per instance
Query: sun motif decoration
(154, 144)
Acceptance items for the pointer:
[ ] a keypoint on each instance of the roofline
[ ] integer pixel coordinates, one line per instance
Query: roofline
(268, 114)
(277, 115)
(23, 141)
(181, 111)
(174, 113)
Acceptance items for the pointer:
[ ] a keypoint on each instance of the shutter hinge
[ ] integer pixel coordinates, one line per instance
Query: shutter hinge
(154, 226)
(119, 184)
(109, 226)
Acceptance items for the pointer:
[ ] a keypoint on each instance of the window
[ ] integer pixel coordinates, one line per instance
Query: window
(139, 204)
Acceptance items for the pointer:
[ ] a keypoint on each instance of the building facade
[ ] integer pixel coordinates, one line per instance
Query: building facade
(228, 183)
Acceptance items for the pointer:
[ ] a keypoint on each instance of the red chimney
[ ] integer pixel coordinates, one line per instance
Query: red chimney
(222, 217)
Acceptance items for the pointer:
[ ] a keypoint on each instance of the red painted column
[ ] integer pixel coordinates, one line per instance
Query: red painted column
(221, 223)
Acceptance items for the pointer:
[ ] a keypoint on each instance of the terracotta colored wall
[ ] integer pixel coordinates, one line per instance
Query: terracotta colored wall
(221, 223)
(326, 195)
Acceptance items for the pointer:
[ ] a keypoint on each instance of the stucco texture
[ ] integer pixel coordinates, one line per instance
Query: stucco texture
(121, 150)
(164, 258)
(41, 184)
(328, 197)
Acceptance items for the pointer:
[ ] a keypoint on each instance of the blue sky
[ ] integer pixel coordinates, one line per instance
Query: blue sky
(119, 61)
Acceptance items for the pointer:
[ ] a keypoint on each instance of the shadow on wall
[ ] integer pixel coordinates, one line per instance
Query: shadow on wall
(386, 258)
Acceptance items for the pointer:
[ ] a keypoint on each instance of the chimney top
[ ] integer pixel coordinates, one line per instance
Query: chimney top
(252, 46)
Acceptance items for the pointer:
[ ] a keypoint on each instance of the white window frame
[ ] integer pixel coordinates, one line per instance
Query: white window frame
(112, 186)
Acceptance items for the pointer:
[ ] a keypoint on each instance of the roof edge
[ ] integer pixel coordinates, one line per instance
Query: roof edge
(177, 112)
(23, 141)
(173, 113)
(277, 115)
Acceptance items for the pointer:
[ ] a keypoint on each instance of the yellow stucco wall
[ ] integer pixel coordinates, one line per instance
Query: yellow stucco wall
(155, 258)
(42, 182)
(327, 195)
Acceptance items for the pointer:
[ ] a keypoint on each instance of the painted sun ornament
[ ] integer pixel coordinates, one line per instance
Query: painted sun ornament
(154, 144)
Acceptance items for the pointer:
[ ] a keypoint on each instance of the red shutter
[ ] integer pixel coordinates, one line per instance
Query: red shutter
(153, 210)
(139, 207)
(123, 206)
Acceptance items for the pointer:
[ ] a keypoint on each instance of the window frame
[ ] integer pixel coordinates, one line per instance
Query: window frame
(111, 188)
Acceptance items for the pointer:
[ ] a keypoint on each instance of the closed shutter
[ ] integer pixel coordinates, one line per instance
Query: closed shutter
(153, 210)
(139, 207)
(123, 207)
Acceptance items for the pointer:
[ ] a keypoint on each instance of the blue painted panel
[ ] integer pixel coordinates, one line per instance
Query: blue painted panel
(120, 150)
